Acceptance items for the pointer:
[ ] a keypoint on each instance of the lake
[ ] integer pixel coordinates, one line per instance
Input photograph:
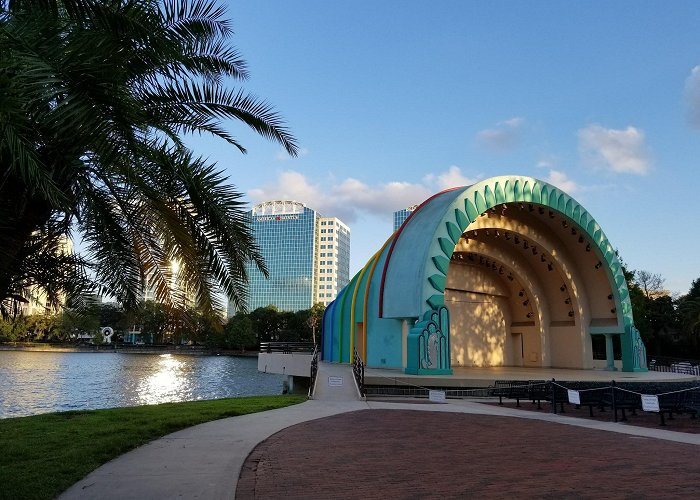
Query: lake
(41, 382)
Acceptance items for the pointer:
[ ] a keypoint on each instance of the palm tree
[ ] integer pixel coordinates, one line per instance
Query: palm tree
(95, 98)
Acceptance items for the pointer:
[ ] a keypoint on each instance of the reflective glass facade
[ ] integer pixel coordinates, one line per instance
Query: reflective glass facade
(307, 257)
(286, 241)
(401, 215)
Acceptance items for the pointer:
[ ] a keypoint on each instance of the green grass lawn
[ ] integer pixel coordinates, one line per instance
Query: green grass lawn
(43, 455)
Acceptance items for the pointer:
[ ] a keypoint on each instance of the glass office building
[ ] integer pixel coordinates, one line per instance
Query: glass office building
(401, 215)
(307, 257)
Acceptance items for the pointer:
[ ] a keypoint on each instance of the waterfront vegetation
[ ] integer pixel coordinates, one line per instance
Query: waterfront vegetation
(160, 325)
(41, 456)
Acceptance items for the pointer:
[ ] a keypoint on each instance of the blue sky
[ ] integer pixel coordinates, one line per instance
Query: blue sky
(392, 101)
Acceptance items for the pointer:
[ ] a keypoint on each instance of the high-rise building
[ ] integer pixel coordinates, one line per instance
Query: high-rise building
(307, 257)
(401, 215)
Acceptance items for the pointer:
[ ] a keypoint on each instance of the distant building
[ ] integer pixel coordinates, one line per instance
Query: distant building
(307, 257)
(401, 215)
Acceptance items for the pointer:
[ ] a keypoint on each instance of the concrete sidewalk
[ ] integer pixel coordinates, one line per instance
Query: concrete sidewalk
(205, 461)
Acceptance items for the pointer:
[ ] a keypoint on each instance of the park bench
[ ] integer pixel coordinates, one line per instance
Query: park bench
(691, 403)
(511, 389)
(592, 397)
(623, 399)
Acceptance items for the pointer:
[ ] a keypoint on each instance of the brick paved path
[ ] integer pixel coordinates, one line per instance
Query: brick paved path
(391, 454)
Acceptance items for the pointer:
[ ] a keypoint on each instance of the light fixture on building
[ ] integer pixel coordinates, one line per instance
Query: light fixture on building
(550, 267)
(526, 245)
(571, 314)
(580, 239)
(563, 287)
(510, 276)
(531, 208)
(475, 233)
(551, 214)
(610, 296)
(565, 224)
(568, 300)
(526, 302)
(500, 270)
(613, 310)
(597, 266)
(534, 250)
(588, 247)
(517, 240)
(541, 210)
(521, 292)
(542, 258)
(507, 236)
(529, 315)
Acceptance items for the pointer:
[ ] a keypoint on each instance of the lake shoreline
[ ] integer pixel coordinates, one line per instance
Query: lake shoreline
(125, 349)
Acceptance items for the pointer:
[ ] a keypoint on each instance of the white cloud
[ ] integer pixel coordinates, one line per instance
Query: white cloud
(621, 151)
(350, 197)
(451, 178)
(691, 96)
(562, 181)
(504, 137)
(282, 155)
(548, 161)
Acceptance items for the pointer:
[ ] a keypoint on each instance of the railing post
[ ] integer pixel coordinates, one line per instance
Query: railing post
(554, 397)
(614, 405)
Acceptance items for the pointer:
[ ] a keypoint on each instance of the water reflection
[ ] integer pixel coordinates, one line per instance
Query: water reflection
(170, 382)
(39, 382)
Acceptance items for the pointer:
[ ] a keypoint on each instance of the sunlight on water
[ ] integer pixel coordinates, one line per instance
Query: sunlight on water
(169, 383)
(40, 382)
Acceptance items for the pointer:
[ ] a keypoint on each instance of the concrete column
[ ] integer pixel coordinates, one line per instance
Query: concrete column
(609, 353)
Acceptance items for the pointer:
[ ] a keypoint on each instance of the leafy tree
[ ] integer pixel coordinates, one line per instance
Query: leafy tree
(95, 96)
(14, 329)
(71, 322)
(154, 319)
(203, 327)
(314, 319)
(113, 315)
(239, 333)
(45, 327)
(267, 323)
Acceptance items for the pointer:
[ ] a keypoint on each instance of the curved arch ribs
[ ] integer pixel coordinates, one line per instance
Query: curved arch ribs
(518, 254)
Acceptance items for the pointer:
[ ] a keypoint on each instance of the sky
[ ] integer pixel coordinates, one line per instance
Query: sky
(392, 101)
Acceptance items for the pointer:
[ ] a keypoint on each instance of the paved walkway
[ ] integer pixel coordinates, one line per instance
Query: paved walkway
(342, 450)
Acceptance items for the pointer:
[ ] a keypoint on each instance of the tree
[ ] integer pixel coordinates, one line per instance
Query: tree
(239, 332)
(155, 320)
(315, 318)
(95, 96)
(651, 284)
(267, 323)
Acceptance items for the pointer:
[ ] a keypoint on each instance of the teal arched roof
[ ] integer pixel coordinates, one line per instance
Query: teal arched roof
(406, 278)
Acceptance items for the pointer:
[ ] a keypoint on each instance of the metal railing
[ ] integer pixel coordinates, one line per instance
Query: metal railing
(358, 369)
(674, 365)
(314, 371)
(287, 347)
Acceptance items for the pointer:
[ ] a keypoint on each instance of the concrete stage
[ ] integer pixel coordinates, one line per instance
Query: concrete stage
(484, 377)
